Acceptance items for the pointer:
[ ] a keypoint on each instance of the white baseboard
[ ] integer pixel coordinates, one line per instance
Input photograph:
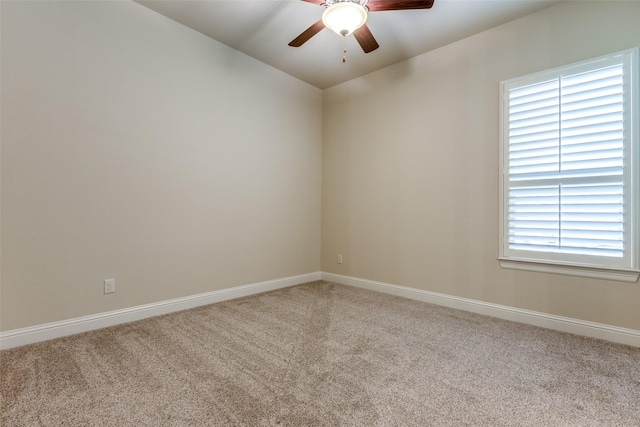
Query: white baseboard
(549, 321)
(30, 335)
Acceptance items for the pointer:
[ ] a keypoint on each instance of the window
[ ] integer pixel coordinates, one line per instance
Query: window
(570, 169)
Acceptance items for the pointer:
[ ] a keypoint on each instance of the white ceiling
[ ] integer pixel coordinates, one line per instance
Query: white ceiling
(263, 28)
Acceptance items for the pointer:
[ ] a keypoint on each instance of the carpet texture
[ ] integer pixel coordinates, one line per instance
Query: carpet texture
(321, 354)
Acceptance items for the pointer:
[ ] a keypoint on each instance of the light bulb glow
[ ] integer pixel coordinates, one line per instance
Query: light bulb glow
(344, 18)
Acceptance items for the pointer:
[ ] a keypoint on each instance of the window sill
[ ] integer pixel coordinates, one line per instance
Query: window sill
(571, 270)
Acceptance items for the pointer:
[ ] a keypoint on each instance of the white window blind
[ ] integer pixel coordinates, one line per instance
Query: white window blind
(569, 164)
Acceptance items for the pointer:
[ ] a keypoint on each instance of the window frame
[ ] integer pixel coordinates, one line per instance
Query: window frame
(586, 265)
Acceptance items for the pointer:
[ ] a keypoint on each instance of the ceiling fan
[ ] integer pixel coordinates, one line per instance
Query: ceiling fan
(349, 16)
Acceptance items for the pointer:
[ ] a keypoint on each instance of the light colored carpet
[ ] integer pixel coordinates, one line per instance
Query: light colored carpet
(321, 354)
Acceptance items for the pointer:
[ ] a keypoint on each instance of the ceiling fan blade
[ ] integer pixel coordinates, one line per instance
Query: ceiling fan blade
(365, 39)
(307, 34)
(380, 5)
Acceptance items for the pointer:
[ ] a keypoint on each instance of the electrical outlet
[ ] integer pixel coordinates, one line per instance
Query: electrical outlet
(109, 286)
(339, 259)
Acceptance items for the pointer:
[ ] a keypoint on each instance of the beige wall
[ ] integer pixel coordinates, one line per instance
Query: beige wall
(410, 166)
(137, 149)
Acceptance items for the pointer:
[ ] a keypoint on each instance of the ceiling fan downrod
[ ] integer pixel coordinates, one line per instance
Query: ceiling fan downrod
(362, 3)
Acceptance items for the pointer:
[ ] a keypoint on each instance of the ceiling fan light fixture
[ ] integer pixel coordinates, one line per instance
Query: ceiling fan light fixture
(344, 17)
